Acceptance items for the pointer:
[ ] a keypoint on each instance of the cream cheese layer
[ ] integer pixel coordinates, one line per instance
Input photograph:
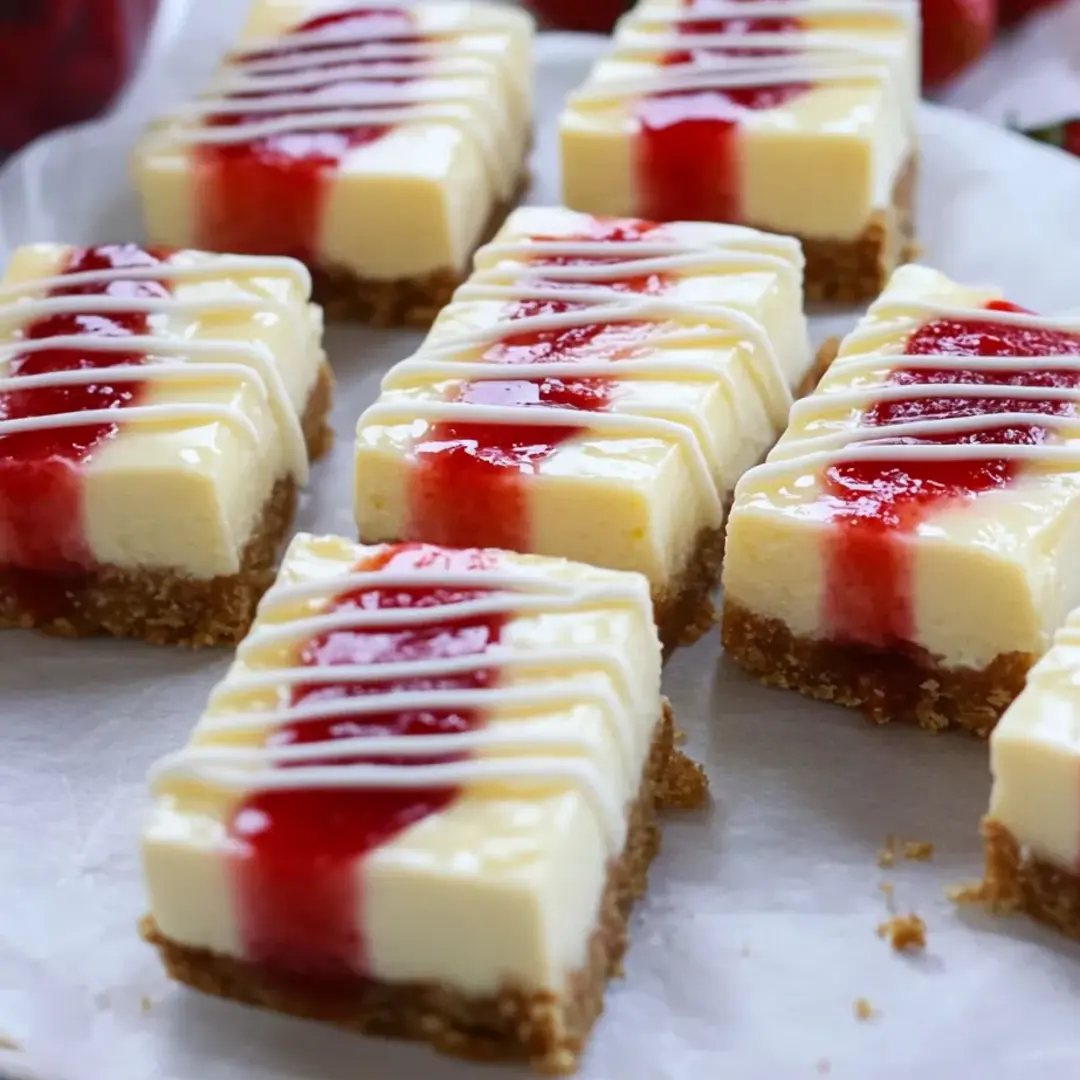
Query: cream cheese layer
(477, 725)
(594, 391)
(378, 145)
(801, 113)
(229, 354)
(928, 494)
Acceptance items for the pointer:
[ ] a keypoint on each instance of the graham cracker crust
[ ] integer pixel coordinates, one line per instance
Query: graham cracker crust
(163, 606)
(1017, 882)
(546, 1029)
(847, 271)
(402, 302)
(911, 687)
(685, 611)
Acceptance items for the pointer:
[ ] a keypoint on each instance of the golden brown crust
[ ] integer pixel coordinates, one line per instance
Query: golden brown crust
(403, 302)
(165, 607)
(545, 1029)
(1016, 881)
(847, 271)
(885, 685)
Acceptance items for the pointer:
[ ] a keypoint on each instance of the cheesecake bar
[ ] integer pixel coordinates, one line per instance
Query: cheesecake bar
(158, 409)
(795, 116)
(1032, 829)
(379, 144)
(421, 802)
(593, 392)
(909, 546)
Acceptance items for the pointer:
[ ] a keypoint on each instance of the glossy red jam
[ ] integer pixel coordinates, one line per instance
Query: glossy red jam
(296, 870)
(688, 164)
(869, 596)
(469, 485)
(267, 196)
(42, 512)
(62, 61)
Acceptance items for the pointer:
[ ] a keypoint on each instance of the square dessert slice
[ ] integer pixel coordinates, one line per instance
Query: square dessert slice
(379, 144)
(593, 392)
(486, 733)
(157, 412)
(795, 116)
(908, 548)
(1032, 829)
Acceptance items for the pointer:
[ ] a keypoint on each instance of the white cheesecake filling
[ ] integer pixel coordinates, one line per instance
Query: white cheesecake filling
(503, 886)
(412, 202)
(819, 165)
(699, 401)
(1035, 757)
(234, 352)
(989, 575)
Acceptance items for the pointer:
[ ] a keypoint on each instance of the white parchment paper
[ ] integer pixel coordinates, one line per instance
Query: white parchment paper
(758, 933)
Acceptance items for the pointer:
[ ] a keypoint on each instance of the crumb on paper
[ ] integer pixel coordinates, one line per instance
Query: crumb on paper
(905, 933)
(8, 1043)
(918, 850)
(685, 786)
(146, 1003)
(863, 1009)
(680, 736)
(886, 857)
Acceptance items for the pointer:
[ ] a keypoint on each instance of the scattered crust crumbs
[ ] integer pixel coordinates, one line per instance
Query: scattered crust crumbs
(146, 1003)
(906, 933)
(7, 1043)
(863, 1009)
(918, 850)
(972, 892)
(886, 857)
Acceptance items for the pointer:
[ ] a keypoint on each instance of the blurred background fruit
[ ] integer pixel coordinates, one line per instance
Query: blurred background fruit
(956, 33)
(62, 61)
(591, 16)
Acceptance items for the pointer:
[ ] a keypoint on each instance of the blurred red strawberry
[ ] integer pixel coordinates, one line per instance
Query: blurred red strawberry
(1065, 136)
(594, 16)
(955, 34)
(1012, 11)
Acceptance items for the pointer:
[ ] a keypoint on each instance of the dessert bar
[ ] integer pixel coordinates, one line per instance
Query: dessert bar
(486, 733)
(909, 547)
(593, 392)
(378, 144)
(1032, 830)
(157, 412)
(795, 116)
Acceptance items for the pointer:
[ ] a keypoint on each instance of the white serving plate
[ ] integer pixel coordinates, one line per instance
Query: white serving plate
(758, 933)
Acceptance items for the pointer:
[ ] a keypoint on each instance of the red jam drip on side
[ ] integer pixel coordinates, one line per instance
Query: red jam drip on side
(869, 572)
(470, 481)
(688, 154)
(267, 196)
(42, 511)
(297, 866)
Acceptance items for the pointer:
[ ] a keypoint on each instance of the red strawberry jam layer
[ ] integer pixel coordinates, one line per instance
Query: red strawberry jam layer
(469, 486)
(688, 147)
(42, 491)
(267, 196)
(297, 873)
(869, 572)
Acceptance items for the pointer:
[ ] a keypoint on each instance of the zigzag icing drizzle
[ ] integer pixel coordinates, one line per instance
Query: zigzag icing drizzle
(250, 363)
(531, 753)
(359, 95)
(814, 453)
(814, 56)
(452, 354)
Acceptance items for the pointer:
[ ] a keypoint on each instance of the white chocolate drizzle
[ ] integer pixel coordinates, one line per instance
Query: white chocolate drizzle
(168, 359)
(827, 52)
(832, 429)
(383, 78)
(506, 272)
(540, 750)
